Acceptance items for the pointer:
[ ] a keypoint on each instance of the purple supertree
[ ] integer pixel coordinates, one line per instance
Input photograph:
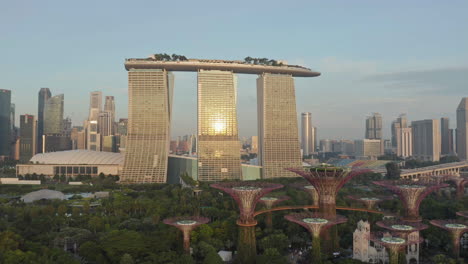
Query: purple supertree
(269, 202)
(369, 201)
(456, 229)
(393, 243)
(246, 195)
(460, 182)
(186, 224)
(463, 214)
(315, 223)
(310, 189)
(401, 228)
(411, 194)
(328, 181)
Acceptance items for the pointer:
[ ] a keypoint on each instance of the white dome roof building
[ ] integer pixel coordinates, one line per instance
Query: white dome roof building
(72, 163)
(43, 194)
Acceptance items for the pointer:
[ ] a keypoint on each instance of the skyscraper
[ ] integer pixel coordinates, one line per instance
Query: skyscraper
(402, 139)
(307, 134)
(109, 107)
(400, 122)
(374, 126)
(279, 147)
(462, 129)
(53, 115)
(105, 123)
(28, 137)
(44, 95)
(218, 141)
(426, 139)
(95, 105)
(5, 123)
(445, 137)
(149, 122)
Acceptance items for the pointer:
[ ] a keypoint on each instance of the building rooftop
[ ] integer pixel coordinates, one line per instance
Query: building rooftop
(194, 65)
(43, 194)
(84, 157)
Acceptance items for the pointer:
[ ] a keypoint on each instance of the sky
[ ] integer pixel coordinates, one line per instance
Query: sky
(389, 57)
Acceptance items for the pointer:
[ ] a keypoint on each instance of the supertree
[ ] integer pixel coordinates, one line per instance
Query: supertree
(393, 243)
(460, 182)
(411, 194)
(269, 202)
(456, 229)
(246, 195)
(400, 227)
(316, 224)
(328, 180)
(369, 201)
(463, 214)
(310, 189)
(186, 225)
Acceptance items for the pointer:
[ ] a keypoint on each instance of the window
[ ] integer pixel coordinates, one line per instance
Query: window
(88, 170)
(92, 137)
(75, 170)
(94, 170)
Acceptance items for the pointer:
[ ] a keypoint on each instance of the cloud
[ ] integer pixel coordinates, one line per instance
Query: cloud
(441, 81)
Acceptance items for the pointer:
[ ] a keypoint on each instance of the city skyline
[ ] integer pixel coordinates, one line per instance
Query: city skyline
(385, 75)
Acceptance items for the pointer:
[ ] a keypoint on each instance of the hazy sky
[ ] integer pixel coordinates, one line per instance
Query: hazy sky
(390, 57)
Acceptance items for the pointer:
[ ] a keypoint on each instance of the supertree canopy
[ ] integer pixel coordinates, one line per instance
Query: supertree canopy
(369, 201)
(328, 180)
(463, 214)
(411, 194)
(310, 189)
(246, 195)
(401, 228)
(269, 202)
(186, 225)
(315, 223)
(456, 229)
(393, 243)
(460, 183)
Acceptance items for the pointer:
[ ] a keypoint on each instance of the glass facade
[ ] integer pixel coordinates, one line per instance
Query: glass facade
(5, 125)
(28, 137)
(149, 121)
(218, 142)
(53, 115)
(279, 147)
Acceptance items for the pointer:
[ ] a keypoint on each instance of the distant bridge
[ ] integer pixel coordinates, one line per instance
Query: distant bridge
(453, 168)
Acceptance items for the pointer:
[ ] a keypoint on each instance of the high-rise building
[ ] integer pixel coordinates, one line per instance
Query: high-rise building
(56, 142)
(109, 143)
(122, 126)
(12, 117)
(67, 126)
(374, 126)
(254, 144)
(279, 147)
(149, 122)
(77, 137)
(426, 139)
(28, 137)
(368, 148)
(5, 123)
(95, 105)
(109, 107)
(93, 138)
(53, 115)
(326, 145)
(218, 141)
(105, 123)
(445, 137)
(307, 134)
(402, 140)
(44, 95)
(462, 129)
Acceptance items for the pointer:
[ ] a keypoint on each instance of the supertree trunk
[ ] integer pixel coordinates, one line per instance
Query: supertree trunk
(247, 247)
(269, 220)
(316, 250)
(186, 241)
(393, 255)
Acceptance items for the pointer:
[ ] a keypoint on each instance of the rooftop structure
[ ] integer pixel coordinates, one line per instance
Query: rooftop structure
(411, 194)
(315, 223)
(401, 228)
(78, 157)
(328, 180)
(195, 65)
(456, 229)
(186, 225)
(43, 194)
(369, 202)
(393, 243)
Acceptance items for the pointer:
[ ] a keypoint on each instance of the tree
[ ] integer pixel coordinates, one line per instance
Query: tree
(127, 259)
(393, 171)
